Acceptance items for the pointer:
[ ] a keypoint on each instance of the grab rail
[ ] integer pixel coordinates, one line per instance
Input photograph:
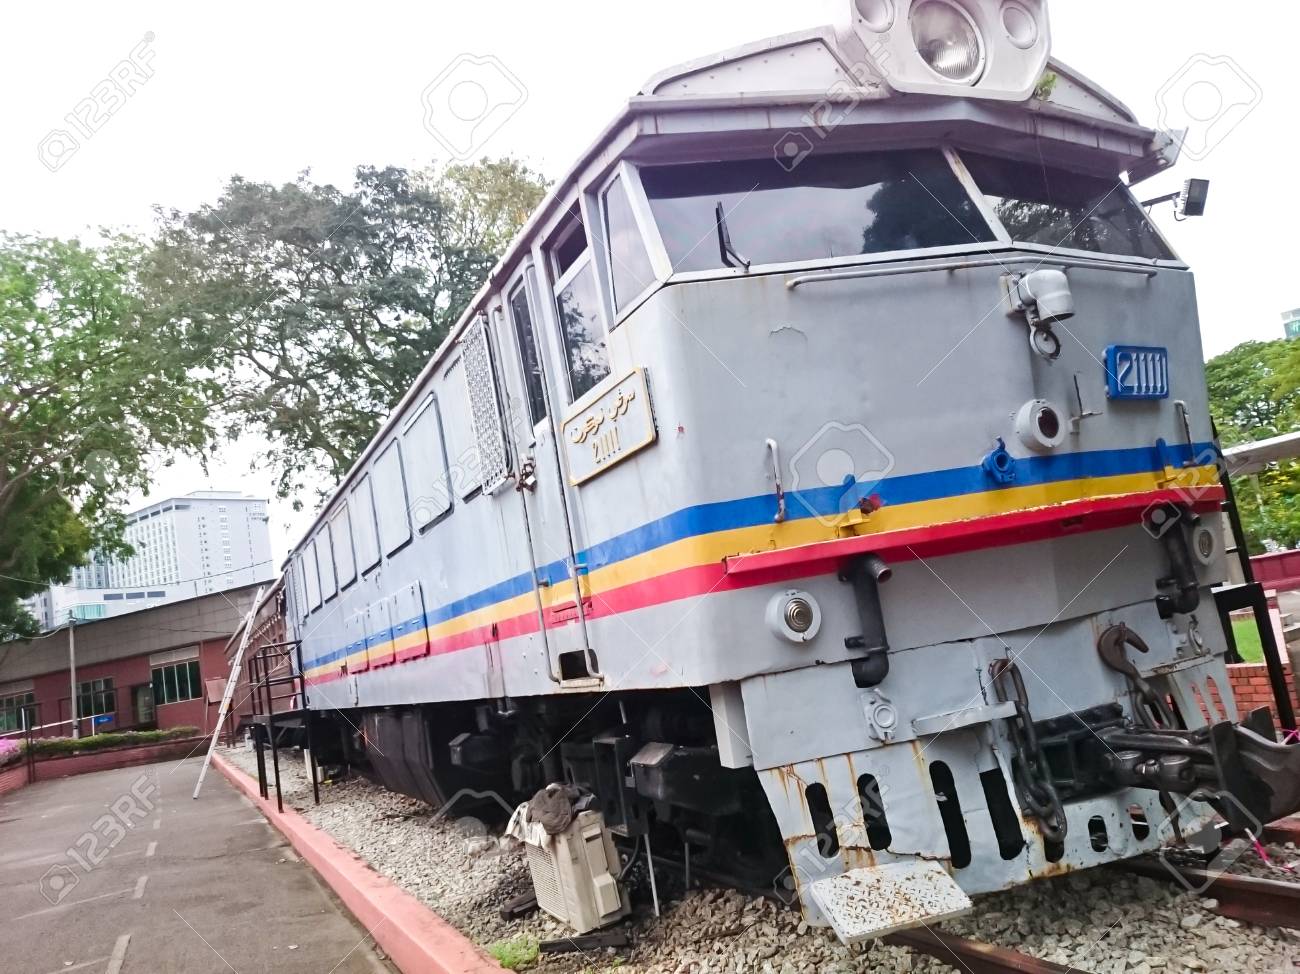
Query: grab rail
(862, 272)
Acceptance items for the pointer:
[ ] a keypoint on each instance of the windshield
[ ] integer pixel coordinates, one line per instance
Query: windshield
(828, 205)
(1044, 205)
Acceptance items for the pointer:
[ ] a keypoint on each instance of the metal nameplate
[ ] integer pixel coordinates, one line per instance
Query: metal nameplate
(610, 429)
(1137, 372)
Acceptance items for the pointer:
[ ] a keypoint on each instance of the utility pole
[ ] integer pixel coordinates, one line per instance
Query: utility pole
(72, 669)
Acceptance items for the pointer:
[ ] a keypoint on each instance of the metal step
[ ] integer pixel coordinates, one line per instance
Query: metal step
(863, 904)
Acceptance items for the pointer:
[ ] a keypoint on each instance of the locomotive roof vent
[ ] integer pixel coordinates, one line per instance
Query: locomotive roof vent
(994, 49)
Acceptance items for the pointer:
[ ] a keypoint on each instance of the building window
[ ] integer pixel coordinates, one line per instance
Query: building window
(176, 682)
(17, 711)
(96, 697)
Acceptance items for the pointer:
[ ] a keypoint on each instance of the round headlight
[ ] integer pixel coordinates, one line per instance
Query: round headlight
(799, 614)
(948, 41)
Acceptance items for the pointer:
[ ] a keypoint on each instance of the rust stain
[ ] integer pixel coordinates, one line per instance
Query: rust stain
(858, 857)
(1049, 870)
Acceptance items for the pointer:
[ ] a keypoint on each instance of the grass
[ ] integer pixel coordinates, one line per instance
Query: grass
(55, 746)
(1247, 636)
(516, 953)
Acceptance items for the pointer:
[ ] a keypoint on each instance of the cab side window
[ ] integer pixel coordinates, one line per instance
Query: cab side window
(629, 262)
(578, 306)
(526, 341)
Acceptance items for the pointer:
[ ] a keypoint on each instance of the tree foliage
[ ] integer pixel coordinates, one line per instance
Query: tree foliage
(1254, 394)
(319, 307)
(92, 386)
(1255, 390)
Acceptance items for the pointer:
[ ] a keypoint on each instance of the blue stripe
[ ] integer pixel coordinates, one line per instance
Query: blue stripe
(824, 501)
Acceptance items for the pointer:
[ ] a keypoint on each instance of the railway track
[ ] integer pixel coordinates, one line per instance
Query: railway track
(1263, 902)
(1283, 831)
(973, 956)
(963, 955)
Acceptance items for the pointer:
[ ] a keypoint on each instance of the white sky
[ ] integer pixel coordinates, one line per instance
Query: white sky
(267, 89)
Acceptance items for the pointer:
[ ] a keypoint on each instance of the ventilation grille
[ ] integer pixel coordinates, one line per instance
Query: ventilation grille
(485, 406)
(546, 881)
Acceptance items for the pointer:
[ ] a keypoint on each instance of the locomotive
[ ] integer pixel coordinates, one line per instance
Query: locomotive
(824, 479)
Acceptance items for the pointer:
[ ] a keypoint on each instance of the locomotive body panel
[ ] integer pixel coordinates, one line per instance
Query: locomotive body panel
(835, 464)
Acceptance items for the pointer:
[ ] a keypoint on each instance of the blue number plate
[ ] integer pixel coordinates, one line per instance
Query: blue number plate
(1137, 372)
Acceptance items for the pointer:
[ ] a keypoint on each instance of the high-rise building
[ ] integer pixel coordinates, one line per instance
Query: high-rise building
(207, 541)
(1291, 323)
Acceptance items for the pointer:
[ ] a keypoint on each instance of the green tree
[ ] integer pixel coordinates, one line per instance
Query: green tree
(320, 306)
(91, 388)
(1250, 395)
(1254, 394)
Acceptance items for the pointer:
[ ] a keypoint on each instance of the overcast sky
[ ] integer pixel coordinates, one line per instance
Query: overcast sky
(270, 88)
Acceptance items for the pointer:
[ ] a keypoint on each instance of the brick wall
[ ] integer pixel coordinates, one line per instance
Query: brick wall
(13, 778)
(128, 673)
(110, 759)
(1251, 688)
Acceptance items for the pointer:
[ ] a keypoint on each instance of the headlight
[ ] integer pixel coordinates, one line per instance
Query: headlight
(948, 40)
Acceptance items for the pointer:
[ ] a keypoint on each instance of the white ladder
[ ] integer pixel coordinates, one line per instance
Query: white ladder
(224, 711)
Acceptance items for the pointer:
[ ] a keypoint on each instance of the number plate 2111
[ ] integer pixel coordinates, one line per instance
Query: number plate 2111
(612, 428)
(1137, 372)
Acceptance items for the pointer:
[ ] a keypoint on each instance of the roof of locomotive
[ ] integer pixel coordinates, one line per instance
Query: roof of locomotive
(689, 102)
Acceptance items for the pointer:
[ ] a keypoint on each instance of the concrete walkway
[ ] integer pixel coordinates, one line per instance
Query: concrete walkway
(121, 872)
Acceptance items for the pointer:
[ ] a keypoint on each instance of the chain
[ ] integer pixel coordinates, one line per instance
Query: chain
(1030, 768)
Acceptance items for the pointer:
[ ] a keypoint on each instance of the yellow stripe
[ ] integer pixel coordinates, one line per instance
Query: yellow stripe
(713, 547)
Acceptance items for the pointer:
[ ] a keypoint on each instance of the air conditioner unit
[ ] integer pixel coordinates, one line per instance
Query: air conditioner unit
(575, 873)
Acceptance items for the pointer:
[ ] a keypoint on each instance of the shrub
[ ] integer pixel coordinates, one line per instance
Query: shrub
(11, 751)
(54, 746)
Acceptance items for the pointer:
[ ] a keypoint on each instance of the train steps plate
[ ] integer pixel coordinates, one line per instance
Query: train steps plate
(863, 904)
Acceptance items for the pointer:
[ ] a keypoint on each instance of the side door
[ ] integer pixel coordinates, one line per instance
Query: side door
(557, 316)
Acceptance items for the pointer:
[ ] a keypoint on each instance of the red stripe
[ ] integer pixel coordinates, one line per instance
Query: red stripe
(787, 564)
(994, 531)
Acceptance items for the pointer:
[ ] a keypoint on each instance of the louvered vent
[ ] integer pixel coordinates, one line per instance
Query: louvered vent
(485, 406)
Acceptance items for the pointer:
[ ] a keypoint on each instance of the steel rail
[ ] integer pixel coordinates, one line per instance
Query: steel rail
(968, 956)
(972, 956)
(1282, 831)
(1263, 902)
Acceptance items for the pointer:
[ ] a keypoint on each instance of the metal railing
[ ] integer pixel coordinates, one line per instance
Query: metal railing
(269, 669)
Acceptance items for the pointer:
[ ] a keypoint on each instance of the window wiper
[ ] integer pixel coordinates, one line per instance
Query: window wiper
(730, 256)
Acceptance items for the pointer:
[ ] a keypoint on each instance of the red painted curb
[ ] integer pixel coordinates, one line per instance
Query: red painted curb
(415, 938)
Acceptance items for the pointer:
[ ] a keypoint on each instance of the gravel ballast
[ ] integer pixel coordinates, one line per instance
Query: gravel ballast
(1100, 921)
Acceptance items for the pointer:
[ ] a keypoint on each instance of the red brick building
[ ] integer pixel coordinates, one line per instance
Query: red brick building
(143, 670)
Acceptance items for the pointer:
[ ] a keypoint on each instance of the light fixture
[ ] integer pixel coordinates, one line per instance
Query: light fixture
(1188, 201)
(795, 615)
(1019, 24)
(1044, 298)
(799, 615)
(878, 15)
(1040, 426)
(986, 49)
(948, 40)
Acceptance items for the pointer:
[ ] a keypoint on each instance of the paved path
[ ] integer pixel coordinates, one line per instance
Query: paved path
(120, 872)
